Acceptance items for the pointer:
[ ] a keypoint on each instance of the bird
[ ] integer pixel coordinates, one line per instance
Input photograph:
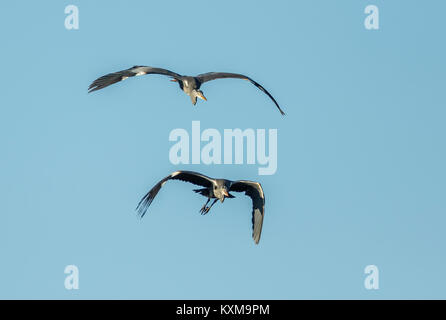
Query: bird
(215, 189)
(189, 84)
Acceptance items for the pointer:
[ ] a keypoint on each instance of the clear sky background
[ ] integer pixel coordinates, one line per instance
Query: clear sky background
(361, 153)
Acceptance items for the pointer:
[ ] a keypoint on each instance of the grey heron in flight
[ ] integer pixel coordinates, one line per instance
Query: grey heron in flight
(189, 84)
(216, 189)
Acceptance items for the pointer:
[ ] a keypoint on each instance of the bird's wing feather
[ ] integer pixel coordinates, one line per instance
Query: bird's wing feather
(114, 77)
(187, 176)
(222, 75)
(255, 191)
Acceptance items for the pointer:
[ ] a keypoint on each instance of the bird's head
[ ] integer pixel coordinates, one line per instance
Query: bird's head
(199, 94)
(221, 191)
(224, 194)
(194, 94)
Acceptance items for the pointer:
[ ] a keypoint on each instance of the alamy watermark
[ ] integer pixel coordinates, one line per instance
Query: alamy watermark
(371, 22)
(72, 18)
(371, 282)
(226, 148)
(72, 278)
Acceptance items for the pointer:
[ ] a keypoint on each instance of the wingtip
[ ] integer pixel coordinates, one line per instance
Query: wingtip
(140, 214)
(141, 211)
(92, 88)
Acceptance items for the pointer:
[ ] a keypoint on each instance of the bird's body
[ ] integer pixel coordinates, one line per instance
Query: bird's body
(189, 84)
(191, 87)
(216, 189)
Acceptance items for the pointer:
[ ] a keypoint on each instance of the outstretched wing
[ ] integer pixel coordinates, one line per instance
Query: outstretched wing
(255, 192)
(222, 75)
(188, 176)
(114, 77)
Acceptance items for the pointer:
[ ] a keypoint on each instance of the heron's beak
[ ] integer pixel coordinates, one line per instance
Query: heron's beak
(174, 80)
(201, 96)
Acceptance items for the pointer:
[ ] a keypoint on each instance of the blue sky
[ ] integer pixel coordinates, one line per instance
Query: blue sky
(360, 178)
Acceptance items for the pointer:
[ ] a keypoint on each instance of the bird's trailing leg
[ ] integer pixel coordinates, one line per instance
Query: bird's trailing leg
(205, 206)
(206, 209)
